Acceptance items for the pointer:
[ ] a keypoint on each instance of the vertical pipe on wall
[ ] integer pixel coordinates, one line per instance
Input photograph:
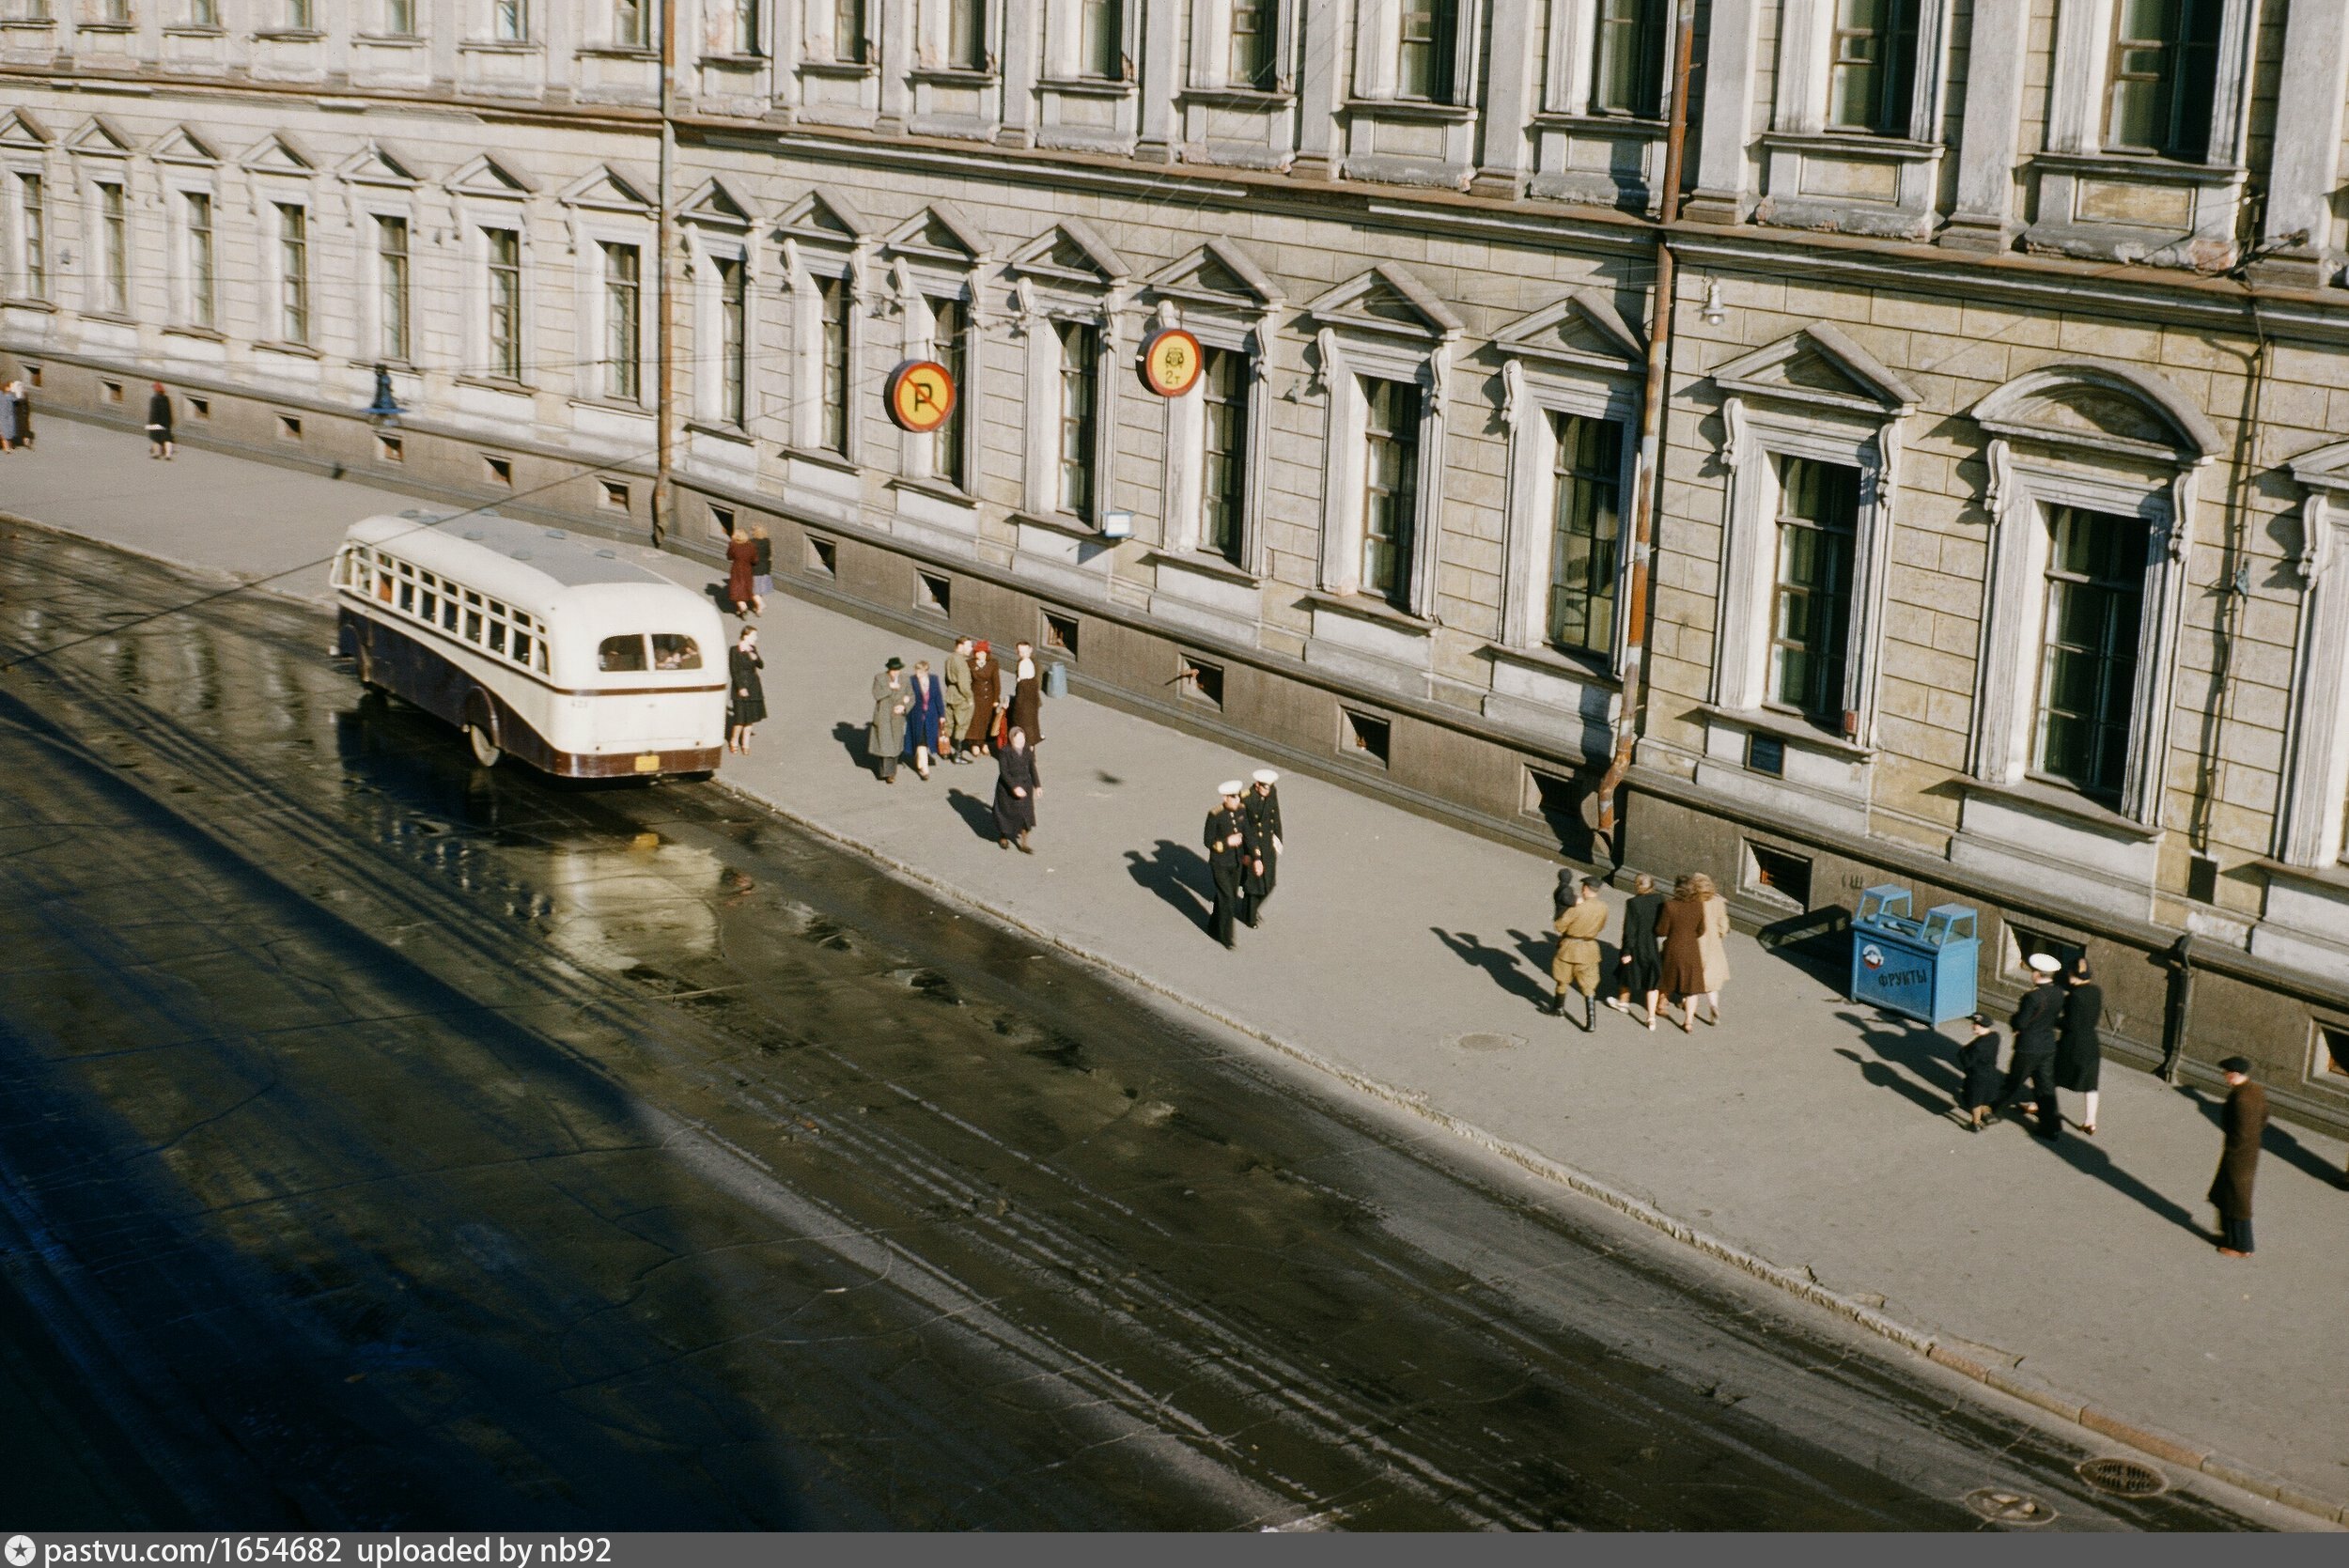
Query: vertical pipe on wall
(664, 335)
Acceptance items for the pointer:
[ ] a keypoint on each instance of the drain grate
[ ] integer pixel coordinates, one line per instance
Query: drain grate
(1486, 1041)
(2123, 1478)
(2008, 1507)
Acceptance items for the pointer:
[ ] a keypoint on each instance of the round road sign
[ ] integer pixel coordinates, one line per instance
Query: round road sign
(920, 394)
(1171, 362)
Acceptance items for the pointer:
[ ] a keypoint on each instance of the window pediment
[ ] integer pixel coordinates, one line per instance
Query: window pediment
(486, 177)
(824, 218)
(938, 234)
(714, 207)
(1070, 252)
(278, 153)
(181, 145)
(97, 137)
(376, 164)
(21, 132)
(1217, 275)
(1388, 301)
(1583, 330)
(605, 190)
(1820, 366)
(2103, 409)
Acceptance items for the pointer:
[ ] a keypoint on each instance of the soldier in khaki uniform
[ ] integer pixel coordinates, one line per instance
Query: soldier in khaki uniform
(1576, 962)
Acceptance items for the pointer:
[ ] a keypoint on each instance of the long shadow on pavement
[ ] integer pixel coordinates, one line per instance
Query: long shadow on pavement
(2277, 1142)
(978, 815)
(851, 739)
(1502, 965)
(1177, 874)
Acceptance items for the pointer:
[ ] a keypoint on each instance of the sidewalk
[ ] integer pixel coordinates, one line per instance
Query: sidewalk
(1407, 956)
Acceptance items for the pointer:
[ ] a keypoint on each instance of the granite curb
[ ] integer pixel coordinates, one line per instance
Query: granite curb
(1983, 1364)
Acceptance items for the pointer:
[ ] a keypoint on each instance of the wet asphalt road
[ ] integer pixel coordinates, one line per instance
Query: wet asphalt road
(386, 1143)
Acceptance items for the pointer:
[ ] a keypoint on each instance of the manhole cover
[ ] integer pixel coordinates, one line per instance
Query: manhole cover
(1484, 1041)
(2008, 1507)
(2124, 1477)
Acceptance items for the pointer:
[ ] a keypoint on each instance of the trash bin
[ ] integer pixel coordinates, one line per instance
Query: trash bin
(1919, 968)
(1056, 680)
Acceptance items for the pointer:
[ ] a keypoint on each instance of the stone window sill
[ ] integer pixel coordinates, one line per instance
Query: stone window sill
(720, 433)
(1066, 523)
(845, 70)
(1412, 109)
(1856, 144)
(730, 61)
(1590, 669)
(49, 305)
(291, 34)
(821, 457)
(192, 30)
(1087, 86)
(188, 329)
(1362, 607)
(1790, 727)
(2131, 165)
(499, 383)
(611, 405)
(1205, 564)
(113, 27)
(412, 39)
(953, 76)
(936, 489)
(1257, 99)
(295, 350)
(2331, 878)
(28, 24)
(1610, 125)
(498, 46)
(621, 51)
(2065, 803)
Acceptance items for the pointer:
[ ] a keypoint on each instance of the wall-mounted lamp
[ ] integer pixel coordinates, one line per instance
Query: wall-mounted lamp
(1714, 313)
(1117, 525)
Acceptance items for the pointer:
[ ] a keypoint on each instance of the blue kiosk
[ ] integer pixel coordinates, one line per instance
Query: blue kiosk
(1919, 968)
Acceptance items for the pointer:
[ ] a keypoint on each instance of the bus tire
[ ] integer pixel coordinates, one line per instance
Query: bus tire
(485, 751)
(481, 730)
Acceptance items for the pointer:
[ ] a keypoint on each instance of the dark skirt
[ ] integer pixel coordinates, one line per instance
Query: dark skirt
(1642, 972)
(1014, 814)
(2077, 1063)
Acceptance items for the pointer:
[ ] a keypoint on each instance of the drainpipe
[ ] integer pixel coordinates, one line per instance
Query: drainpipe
(1652, 408)
(664, 392)
(2178, 1017)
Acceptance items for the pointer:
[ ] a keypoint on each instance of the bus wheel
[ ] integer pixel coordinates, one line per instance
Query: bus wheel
(485, 751)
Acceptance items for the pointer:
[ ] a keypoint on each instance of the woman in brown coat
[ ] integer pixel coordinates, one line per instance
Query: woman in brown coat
(741, 566)
(2243, 1121)
(986, 696)
(1680, 927)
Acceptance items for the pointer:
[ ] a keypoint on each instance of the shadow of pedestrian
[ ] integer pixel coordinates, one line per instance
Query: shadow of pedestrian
(1502, 966)
(978, 815)
(1925, 1054)
(851, 739)
(1178, 875)
(2275, 1142)
(2087, 1159)
(1885, 1076)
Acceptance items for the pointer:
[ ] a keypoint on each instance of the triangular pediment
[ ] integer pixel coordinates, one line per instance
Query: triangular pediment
(1217, 273)
(607, 191)
(1387, 298)
(277, 153)
(98, 137)
(180, 144)
(484, 176)
(21, 130)
(1584, 329)
(938, 233)
(827, 218)
(2097, 406)
(376, 164)
(1822, 366)
(713, 204)
(1071, 252)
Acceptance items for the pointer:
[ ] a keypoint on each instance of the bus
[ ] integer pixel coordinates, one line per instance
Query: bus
(538, 644)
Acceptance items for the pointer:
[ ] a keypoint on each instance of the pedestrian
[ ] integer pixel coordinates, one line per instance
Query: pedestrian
(2245, 1121)
(1024, 707)
(1680, 927)
(2079, 1049)
(923, 715)
(158, 423)
(957, 722)
(10, 406)
(885, 736)
(1226, 837)
(24, 412)
(762, 569)
(986, 698)
(746, 694)
(2033, 1061)
(1977, 1068)
(742, 562)
(1714, 946)
(1262, 804)
(1016, 788)
(1574, 961)
(1640, 967)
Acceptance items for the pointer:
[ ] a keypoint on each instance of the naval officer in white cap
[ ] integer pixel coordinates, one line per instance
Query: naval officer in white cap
(2033, 1061)
(1262, 805)
(1226, 840)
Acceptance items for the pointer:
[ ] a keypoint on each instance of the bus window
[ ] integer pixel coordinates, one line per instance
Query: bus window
(383, 587)
(541, 665)
(620, 654)
(408, 596)
(673, 650)
(497, 636)
(432, 606)
(472, 624)
(522, 648)
(449, 612)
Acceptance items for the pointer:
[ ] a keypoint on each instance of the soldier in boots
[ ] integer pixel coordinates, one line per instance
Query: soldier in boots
(1576, 962)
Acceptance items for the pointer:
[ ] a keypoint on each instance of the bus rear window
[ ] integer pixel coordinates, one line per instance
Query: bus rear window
(497, 636)
(432, 605)
(673, 650)
(620, 654)
(448, 610)
(522, 648)
(408, 596)
(473, 626)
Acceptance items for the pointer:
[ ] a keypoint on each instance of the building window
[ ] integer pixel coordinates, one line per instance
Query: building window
(1819, 515)
(631, 24)
(1202, 680)
(848, 31)
(623, 319)
(202, 290)
(201, 13)
(505, 251)
(1390, 488)
(1101, 40)
(510, 20)
(1872, 74)
(950, 323)
(293, 272)
(113, 226)
(36, 219)
(399, 18)
(732, 337)
(966, 34)
(1425, 54)
(1787, 876)
(1628, 70)
(1223, 452)
(1255, 41)
(934, 591)
(2095, 602)
(832, 305)
(1365, 737)
(1080, 413)
(1588, 522)
(2165, 74)
(741, 17)
(390, 283)
(298, 17)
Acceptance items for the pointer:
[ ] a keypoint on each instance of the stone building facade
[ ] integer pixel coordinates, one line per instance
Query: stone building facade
(2001, 545)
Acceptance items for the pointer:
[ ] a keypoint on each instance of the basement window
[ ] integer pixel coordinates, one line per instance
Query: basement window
(288, 427)
(934, 592)
(389, 448)
(1060, 633)
(201, 408)
(1201, 681)
(1777, 873)
(1363, 737)
(722, 522)
(2333, 1040)
(2021, 942)
(32, 374)
(500, 469)
(823, 557)
(614, 494)
(112, 391)
(1766, 754)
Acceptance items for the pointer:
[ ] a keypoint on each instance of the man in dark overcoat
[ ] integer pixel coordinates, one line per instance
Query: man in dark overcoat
(1978, 1065)
(1262, 804)
(2243, 1122)
(1226, 841)
(2034, 1049)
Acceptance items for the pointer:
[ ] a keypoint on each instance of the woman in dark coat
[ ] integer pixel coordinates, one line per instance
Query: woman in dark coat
(158, 423)
(1639, 966)
(746, 696)
(1024, 708)
(762, 569)
(2079, 1054)
(986, 696)
(921, 718)
(1680, 927)
(2245, 1121)
(741, 566)
(1015, 792)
